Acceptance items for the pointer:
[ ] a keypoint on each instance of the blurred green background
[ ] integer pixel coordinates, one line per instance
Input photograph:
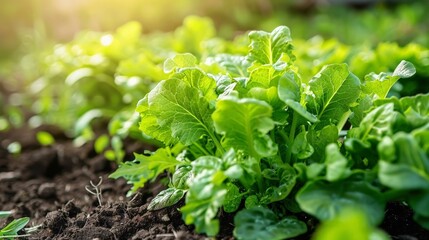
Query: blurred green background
(351, 21)
(45, 42)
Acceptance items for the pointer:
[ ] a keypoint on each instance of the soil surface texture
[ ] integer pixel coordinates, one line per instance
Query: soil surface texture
(48, 184)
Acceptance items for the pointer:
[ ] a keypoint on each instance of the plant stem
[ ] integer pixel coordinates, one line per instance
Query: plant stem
(291, 138)
(217, 143)
(196, 144)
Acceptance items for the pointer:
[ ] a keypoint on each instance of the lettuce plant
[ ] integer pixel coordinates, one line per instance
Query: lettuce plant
(246, 134)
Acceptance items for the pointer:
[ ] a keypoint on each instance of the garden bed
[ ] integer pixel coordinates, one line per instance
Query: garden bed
(48, 184)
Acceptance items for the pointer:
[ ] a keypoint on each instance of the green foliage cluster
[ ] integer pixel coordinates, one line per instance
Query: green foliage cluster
(99, 77)
(259, 126)
(249, 128)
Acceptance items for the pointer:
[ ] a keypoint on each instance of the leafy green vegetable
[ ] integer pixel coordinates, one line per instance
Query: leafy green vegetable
(258, 129)
(261, 223)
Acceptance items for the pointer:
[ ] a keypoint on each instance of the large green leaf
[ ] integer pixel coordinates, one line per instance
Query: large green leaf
(149, 123)
(267, 48)
(260, 223)
(333, 90)
(245, 123)
(326, 200)
(175, 107)
(199, 80)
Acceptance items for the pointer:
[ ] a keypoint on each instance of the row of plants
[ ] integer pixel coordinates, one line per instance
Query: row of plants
(258, 126)
(247, 134)
(103, 75)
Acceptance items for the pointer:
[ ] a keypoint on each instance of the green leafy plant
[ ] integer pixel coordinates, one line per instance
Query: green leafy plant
(246, 129)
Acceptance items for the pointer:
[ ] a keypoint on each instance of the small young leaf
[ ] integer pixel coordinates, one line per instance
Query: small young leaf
(101, 143)
(260, 223)
(301, 147)
(267, 48)
(14, 227)
(166, 198)
(45, 138)
(181, 176)
(232, 198)
(404, 70)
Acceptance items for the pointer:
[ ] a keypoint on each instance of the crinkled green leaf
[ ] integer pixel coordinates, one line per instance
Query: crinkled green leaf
(175, 110)
(286, 183)
(261, 77)
(244, 123)
(325, 200)
(166, 198)
(333, 90)
(267, 48)
(183, 60)
(149, 124)
(260, 223)
(199, 80)
(232, 198)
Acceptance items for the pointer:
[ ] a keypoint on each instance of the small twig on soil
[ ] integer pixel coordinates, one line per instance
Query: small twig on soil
(96, 190)
(174, 234)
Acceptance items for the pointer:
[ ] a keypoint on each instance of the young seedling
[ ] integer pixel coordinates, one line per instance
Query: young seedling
(11, 230)
(95, 190)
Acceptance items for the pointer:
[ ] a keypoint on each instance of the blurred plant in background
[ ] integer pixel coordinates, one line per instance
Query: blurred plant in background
(64, 64)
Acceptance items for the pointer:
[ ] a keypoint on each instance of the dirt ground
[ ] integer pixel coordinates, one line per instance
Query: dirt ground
(48, 184)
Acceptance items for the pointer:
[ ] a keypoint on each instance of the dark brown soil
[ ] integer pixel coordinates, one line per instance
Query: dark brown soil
(47, 184)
